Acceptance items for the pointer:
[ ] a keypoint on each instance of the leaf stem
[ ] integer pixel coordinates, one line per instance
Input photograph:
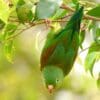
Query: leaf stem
(87, 48)
(84, 49)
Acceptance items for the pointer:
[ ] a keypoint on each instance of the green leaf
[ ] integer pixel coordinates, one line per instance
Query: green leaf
(9, 50)
(47, 8)
(24, 11)
(9, 30)
(94, 12)
(96, 32)
(93, 53)
(2, 24)
(94, 47)
(90, 25)
(4, 11)
(59, 14)
(8, 46)
(75, 1)
(90, 60)
(20, 3)
(81, 38)
(98, 82)
(97, 35)
(14, 2)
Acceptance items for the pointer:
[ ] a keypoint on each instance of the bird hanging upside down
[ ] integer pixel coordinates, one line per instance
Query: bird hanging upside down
(60, 51)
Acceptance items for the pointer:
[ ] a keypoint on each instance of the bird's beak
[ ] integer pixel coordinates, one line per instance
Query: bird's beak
(50, 88)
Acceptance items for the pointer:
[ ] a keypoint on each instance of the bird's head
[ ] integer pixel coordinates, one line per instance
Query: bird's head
(53, 77)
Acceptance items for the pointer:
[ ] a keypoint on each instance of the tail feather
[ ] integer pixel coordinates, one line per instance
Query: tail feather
(75, 20)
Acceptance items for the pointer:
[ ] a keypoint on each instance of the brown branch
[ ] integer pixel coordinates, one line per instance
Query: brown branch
(85, 16)
(66, 16)
(31, 25)
(91, 18)
(13, 36)
(63, 6)
(58, 20)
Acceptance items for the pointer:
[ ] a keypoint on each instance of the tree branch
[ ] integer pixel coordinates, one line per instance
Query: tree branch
(91, 18)
(58, 20)
(13, 36)
(85, 16)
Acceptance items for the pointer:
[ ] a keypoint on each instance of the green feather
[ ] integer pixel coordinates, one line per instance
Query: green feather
(60, 50)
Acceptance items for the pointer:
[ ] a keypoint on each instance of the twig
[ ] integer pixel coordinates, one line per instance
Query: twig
(66, 16)
(67, 7)
(85, 16)
(13, 36)
(91, 17)
(31, 25)
(58, 20)
(87, 48)
(84, 49)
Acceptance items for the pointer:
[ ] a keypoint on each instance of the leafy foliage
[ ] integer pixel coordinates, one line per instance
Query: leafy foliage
(9, 51)
(4, 11)
(1, 24)
(75, 1)
(24, 11)
(92, 56)
(95, 11)
(9, 30)
(81, 38)
(96, 33)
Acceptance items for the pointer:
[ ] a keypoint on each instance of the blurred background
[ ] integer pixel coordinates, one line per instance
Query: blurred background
(22, 79)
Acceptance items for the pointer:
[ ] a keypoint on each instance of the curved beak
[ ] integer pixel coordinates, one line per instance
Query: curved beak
(50, 88)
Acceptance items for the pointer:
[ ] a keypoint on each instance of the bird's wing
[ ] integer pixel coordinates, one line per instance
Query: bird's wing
(46, 53)
(64, 37)
(55, 47)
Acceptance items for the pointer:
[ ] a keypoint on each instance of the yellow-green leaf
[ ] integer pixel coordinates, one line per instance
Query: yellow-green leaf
(24, 11)
(93, 53)
(98, 82)
(95, 12)
(4, 11)
(9, 50)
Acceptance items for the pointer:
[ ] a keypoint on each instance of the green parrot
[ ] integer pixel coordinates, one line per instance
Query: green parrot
(60, 51)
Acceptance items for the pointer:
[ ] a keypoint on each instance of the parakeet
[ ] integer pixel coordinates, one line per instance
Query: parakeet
(59, 52)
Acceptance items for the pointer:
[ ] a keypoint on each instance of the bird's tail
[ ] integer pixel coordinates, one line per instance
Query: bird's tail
(75, 20)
